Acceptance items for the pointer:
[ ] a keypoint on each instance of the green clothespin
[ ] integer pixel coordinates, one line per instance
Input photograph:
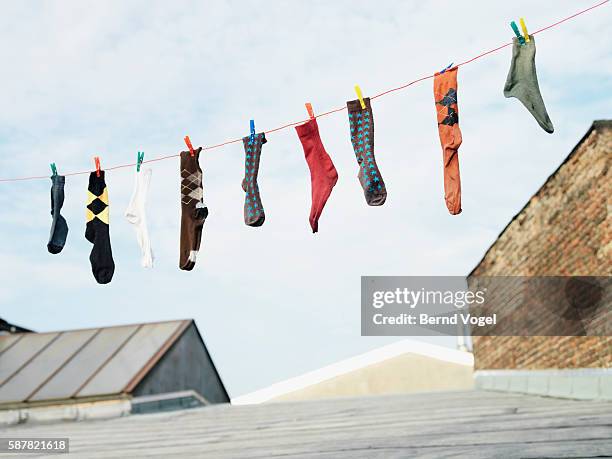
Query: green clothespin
(53, 169)
(139, 160)
(517, 33)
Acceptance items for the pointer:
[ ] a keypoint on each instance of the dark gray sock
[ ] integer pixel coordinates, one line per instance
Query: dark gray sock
(522, 82)
(254, 214)
(59, 227)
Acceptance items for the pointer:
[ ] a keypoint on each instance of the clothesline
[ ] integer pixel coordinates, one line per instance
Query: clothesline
(329, 112)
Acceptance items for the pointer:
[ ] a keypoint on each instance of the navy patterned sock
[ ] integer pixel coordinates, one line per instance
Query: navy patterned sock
(362, 138)
(253, 209)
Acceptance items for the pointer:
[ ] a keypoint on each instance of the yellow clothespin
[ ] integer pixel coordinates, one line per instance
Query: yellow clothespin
(524, 27)
(360, 96)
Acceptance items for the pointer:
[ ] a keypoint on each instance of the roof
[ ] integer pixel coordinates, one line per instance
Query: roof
(11, 328)
(354, 363)
(474, 424)
(81, 364)
(597, 124)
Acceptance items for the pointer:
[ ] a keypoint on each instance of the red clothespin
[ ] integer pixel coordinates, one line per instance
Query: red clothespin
(309, 110)
(97, 163)
(188, 142)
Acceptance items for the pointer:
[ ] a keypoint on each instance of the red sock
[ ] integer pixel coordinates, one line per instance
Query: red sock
(323, 174)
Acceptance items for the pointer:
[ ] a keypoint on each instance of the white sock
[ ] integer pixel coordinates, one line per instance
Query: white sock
(136, 215)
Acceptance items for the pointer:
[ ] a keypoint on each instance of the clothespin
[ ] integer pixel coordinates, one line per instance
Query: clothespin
(446, 68)
(309, 110)
(360, 96)
(97, 163)
(188, 142)
(524, 27)
(139, 160)
(53, 169)
(517, 33)
(252, 124)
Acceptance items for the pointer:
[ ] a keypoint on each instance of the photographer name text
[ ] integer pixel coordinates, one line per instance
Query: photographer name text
(427, 319)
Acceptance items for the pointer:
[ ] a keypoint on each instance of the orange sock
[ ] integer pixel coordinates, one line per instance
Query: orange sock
(445, 94)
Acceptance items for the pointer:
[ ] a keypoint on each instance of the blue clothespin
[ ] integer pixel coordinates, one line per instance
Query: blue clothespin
(446, 68)
(517, 33)
(53, 169)
(139, 160)
(252, 123)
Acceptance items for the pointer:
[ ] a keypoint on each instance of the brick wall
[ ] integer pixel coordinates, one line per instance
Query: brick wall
(565, 229)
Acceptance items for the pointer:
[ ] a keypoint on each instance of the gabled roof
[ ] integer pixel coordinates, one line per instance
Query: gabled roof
(406, 346)
(597, 124)
(77, 364)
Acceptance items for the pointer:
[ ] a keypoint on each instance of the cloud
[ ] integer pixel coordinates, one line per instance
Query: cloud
(111, 78)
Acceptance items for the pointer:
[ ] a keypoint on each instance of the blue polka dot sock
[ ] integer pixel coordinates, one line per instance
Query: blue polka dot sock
(362, 137)
(253, 209)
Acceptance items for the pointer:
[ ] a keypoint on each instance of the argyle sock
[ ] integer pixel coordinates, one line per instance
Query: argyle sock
(445, 94)
(522, 82)
(59, 227)
(253, 209)
(97, 229)
(362, 138)
(137, 216)
(193, 210)
(323, 174)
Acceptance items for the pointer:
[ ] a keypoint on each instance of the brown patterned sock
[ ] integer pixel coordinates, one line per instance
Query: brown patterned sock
(253, 209)
(362, 137)
(193, 210)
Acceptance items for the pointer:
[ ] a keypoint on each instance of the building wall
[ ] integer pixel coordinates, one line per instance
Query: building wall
(186, 365)
(565, 229)
(402, 374)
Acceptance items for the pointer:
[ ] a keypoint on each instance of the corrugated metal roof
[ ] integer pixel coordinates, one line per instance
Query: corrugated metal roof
(75, 373)
(81, 363)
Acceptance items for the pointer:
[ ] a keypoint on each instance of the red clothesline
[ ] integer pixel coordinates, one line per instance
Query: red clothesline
(335, 110)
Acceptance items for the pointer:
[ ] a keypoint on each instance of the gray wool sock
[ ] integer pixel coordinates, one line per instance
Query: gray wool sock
(59, 227)
(522, 82)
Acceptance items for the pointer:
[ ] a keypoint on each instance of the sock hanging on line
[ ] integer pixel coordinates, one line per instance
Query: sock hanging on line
(193, 209)
(445, 95)
(59, 227)
(137, 216)
(323, 174)
(253, 209)
(97, 229)
(362, 137)
(522, 82)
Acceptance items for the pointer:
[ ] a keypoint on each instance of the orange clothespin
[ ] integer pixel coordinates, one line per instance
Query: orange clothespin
(188, 142)
(97, 163)
(309, 110)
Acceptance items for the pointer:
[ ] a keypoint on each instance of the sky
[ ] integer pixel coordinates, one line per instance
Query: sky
(84, 78)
